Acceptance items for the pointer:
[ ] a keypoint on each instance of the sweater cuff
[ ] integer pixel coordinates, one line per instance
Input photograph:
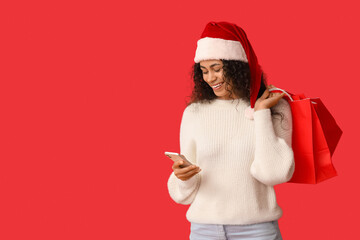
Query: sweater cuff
(184, 185)
(263, 123)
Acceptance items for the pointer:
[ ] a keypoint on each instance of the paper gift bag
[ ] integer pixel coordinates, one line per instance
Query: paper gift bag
(314, 139)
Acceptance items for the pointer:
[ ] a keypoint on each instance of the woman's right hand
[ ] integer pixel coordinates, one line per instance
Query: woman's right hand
(186, 172)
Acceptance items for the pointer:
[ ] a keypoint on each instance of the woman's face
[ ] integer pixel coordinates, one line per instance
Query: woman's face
(212, 71)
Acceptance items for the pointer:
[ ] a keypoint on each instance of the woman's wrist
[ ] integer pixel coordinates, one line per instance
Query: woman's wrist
(260, 108)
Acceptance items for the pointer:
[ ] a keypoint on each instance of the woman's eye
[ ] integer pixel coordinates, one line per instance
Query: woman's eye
(214, 70)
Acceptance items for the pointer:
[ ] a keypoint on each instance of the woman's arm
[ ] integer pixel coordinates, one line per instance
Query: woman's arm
(274, 158)
(180, 191)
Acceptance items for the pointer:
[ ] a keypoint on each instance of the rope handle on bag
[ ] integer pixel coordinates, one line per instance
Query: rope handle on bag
(271, 89)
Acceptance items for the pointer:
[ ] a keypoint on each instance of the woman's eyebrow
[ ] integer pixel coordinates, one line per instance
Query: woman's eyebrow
(210, 66)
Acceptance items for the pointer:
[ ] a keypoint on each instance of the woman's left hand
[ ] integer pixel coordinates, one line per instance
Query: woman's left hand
(268, 99)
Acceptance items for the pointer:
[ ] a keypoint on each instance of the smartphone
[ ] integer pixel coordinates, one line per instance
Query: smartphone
(176, 157)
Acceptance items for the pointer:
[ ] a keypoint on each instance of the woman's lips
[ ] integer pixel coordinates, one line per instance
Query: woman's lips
(217, 86)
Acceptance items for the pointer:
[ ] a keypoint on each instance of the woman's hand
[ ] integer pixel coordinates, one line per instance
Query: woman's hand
(268, 99)
(186, 172)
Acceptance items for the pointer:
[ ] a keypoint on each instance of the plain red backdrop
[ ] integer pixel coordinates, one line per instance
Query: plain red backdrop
(92, 94)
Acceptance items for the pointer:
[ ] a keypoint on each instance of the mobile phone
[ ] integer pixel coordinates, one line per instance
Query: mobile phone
(177, 157)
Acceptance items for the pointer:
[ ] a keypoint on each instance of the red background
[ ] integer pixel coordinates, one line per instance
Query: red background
(92, 94)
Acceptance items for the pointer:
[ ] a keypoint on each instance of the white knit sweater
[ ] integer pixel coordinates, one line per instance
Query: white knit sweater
(241, 160)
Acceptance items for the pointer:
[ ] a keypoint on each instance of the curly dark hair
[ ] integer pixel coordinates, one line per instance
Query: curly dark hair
(238, 72)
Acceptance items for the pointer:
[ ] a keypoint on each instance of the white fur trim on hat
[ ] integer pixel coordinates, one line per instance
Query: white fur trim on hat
(218, 48)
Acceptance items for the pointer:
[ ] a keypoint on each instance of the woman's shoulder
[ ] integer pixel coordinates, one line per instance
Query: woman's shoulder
(283, 106)
(284, 109)
(190, 110)
(194, 107)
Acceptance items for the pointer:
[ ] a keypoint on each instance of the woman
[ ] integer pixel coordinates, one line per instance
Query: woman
(238, 148)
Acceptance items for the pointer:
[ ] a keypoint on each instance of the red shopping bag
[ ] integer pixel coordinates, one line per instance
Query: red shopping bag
(315, 137)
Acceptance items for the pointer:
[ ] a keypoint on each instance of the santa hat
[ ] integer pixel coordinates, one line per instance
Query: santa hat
(223, 40)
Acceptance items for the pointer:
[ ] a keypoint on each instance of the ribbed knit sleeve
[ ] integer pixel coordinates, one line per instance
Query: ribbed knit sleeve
(184, 192)
(274, 158)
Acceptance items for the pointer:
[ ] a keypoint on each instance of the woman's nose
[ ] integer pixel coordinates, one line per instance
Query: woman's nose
(211, 76)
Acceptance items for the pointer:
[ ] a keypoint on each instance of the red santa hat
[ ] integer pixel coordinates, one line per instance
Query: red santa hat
(223, 40)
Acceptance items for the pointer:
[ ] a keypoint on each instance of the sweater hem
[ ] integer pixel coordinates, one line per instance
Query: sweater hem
(235, 222)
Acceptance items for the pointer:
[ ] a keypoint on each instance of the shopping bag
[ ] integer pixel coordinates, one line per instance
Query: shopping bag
(314, 138)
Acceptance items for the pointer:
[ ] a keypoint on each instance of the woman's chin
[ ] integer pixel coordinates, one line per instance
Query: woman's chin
(220, 94)
(224, 97)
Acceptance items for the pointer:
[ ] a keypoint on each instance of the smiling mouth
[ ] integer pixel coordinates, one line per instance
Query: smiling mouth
(217, 86)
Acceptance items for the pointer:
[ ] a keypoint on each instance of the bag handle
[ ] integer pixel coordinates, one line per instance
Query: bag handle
(271, 89)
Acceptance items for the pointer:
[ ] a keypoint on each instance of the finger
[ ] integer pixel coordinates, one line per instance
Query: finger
(265, 94)
(276, 96)
(184, 178)
(275, 99)
(186, 169)
(177, 164)
(276, 93)
(181, 170)
(280, 95)
(189, 174)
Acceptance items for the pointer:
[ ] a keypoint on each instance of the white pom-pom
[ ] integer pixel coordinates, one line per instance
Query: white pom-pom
(249, 113)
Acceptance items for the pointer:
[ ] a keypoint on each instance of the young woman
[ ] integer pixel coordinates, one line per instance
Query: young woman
(238, 136)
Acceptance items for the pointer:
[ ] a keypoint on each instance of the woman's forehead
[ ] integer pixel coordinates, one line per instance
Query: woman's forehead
(211, 62)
